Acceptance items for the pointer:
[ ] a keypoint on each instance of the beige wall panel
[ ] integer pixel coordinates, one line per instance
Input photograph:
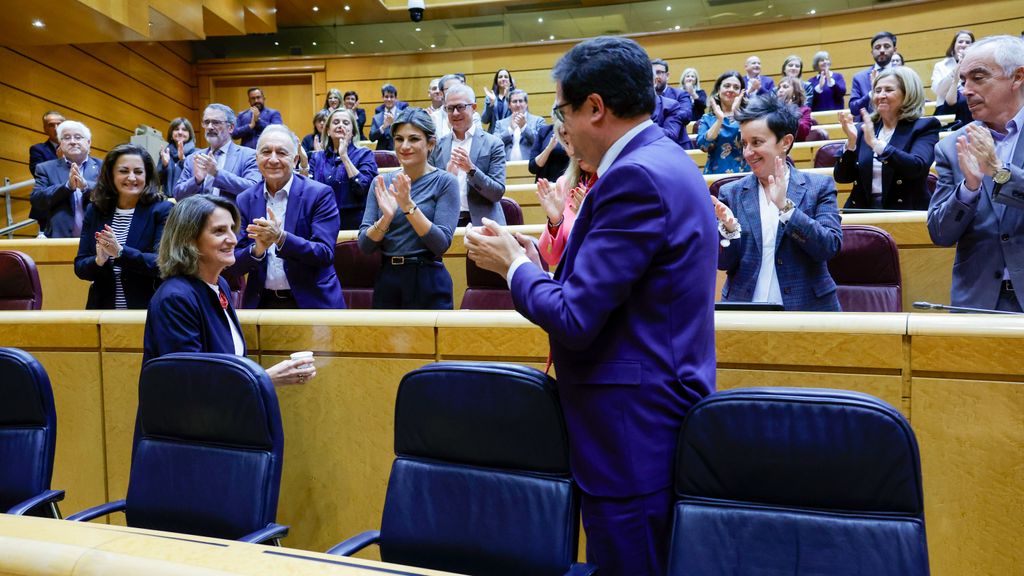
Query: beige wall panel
(182, 49)
(348, 332)
(291, 95)
(79, 466)
(810, 348)
(971, 436)
(966, 355)
(122, 58)
(22, 130)
(888, 388)
(161, 56)
(504, 344)
(62, 290)
(927, 274)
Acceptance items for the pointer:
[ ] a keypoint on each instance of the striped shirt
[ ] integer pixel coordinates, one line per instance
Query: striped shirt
(122, 222)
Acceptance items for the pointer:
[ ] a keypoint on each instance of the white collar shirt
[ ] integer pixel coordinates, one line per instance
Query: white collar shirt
(276, 277)
(466, 144)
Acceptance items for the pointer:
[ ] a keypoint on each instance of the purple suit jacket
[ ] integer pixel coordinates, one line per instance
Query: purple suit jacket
(630, 316)
(312, 225)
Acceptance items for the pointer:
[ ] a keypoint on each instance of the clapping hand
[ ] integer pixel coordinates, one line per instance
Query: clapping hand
(976, 153)
(519, 119)
(400, 189)
(265, 231)
(203, 165)
(754, 85)
(716, 109)
(492, 247)
(849, 128)
(165, 155)
(316, 144)
(389, 118)
(107, 245)
(461, 159)
(75, 179)
(868, 128)
(552, 199)
(724, 215)
(777, 184)
(255, 116)
(385, 200)
(489, 95)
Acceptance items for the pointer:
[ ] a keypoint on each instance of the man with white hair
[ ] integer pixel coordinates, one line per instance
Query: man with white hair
(441, 126)
(474, 157)
(979, 199)
(63, 185)
(291, 225)
(223, 168)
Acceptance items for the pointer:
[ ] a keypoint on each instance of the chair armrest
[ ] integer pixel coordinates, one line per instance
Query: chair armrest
(46, 497)
(356, 543)
(581, 569)
(271, 532)
(97, 511)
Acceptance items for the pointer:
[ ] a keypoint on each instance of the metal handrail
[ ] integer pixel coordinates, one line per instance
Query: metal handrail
(8, 187)
(6, 191)
(10, 230)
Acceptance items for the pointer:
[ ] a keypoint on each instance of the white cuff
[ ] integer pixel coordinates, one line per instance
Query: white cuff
(730, 235)
(522, 259)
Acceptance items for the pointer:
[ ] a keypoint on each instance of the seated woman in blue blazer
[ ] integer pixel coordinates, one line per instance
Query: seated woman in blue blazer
(889, 154)
(779, 226)
(121, 231)
(192, 311)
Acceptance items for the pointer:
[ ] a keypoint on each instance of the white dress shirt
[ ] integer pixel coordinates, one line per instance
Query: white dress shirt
(276, 278)
(466, 144)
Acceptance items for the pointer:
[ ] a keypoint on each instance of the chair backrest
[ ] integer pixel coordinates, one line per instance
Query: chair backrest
(715, 186)
(386, 159)
(486, 290)
(930, 183)
(797, 481)
(816, 135)
(481, 481)
(828, 154)
(867, 271)
(19, 282)
(28, 427)
(209, 447)
(357, 273)
(513, 212)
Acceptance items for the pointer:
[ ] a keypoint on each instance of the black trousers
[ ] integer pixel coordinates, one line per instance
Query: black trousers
(424, 285)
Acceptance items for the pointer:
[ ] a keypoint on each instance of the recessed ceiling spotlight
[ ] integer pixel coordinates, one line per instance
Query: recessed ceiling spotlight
(668, 8)
(433, 46)
(347, 7)
(380, 41)
(314, 43)
(316, 8)
(552, 37)
(540, 20)
(351, 41)
(276, 43)
(38, 24)
(677, 27)
(418, 29)
(813, 12)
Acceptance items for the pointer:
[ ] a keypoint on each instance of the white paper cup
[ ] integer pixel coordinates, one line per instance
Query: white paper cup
(304, 355)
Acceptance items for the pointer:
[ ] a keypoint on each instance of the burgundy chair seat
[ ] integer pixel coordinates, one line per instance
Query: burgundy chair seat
(867, 271)
(827, 155)
(816, 135)
(19, 282)
(717, 184)
(357, 273)
(386, 159)
(486, 290)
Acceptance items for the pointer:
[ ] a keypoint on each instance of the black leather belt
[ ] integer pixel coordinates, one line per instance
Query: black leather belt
(279, 294)
(403, 260)
(1006, 286)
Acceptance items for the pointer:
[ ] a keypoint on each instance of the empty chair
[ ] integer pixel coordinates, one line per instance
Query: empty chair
(828, 154)
(357, 273)
(208, 450)
(28, 434)
(486, 290)
(816, 135)
(867, 271)
(386, 159)
(715, 186)
(797, 481)
(19, 282)
(480, 483)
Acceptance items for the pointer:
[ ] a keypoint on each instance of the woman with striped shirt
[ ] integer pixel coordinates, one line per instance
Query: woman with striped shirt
(121, 232)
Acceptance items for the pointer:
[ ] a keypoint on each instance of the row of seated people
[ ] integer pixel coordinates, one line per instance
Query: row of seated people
(727, 508)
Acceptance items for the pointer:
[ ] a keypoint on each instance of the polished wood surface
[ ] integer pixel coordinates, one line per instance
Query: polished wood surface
(956, 377)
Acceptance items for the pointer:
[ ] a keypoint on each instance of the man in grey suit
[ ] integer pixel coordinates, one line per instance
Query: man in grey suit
(224, 168)
(979, 200)
(474, 157)
(63, 185)
(519, 130)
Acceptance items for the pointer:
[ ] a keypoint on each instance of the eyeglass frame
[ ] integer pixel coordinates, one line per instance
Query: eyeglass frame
(73, 138)
(556, 111)
(460, 108)
(211, 123)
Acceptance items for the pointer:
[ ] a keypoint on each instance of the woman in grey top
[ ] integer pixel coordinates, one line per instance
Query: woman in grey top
(411, 217)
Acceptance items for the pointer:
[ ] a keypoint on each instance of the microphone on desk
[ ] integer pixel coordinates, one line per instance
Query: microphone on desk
(930, 306)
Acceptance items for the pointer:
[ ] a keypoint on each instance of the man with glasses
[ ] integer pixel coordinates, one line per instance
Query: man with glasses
(474, 157)
(630, 309)
(224, 168)
(63, 185)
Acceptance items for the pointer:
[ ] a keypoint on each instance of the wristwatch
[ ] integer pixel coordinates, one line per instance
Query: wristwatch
(787, 208)
(120, 250)
(411, 210)
(1002, 175)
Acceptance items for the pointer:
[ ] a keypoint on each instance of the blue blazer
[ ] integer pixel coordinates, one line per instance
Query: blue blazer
(51, 196)
(249, 136)
(380, 135)
(312, 225)
(669, 115)
(486, 186)
(558, 160)
(860, 92)
(139, 272)
(185, 316)
(906, 162)
(39, 153)
(630, 316)
(239, 173)
(349, 193)
(683, 98)
(803, 246)
(988, 233)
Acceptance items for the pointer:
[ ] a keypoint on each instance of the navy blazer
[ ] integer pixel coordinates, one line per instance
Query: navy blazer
(382, 135)
(685, 102)
(185, 316)
(51, 196)
(860, 92)
(139, 272)
(311, 224)
(39, 153)
(558, 160)
(240, 172)
(249, 136)
(803, 246)
(906, 162)
(668, 114)
(630, 316)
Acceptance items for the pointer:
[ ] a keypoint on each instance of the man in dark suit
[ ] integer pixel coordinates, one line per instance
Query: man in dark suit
(660, 69)
(979, 200)
(252, 122)
(44, 151)
(384, 117)
(518, 131)
(291, 225)
(223, 168)
(474, 157)
(63, 185)
(883, 46)
(630, 309)
(669, 116)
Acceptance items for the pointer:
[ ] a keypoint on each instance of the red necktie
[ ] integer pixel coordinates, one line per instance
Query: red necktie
(223, 299)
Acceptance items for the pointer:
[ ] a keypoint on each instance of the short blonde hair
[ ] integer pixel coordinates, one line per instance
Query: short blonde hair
(178, 254)
(696, 78)
(325, 139)
(913, 92)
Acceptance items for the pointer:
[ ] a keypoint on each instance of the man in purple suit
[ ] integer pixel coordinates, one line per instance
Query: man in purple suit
(630, 309)
(291, 226)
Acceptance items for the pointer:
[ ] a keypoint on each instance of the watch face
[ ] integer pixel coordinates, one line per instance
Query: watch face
(1002, 176)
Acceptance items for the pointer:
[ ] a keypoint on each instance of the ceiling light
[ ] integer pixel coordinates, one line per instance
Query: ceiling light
(813, 12)
(433, 46)
(316, 8)
(541, 20)
(38, 24)
(347, 7)
(552, 37)
(276, 43)
(418, 29)
(314, 43)
(668, 8)
(351, 41)
(380, 41)
(677, 26)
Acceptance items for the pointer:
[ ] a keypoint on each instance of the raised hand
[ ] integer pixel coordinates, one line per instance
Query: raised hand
(385, 201)
(777, 184)
(489, 95)
(255, 116)
(552, 199)
(868, 128)
(317, 147)
(165, 155)
(401, 186)
(849, 128)
(265, 231)
(724, 215)
(716, 109)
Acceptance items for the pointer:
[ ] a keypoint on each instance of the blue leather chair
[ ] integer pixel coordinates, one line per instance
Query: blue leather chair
(208, 450)
(28, 434)
(797, 481)
(481, 481)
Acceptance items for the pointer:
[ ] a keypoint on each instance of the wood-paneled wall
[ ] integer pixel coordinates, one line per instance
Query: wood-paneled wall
(111, 88)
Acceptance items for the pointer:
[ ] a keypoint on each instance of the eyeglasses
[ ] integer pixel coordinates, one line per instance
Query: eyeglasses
(72, 138)
(556, 111)
(456, 108)
(213, 123)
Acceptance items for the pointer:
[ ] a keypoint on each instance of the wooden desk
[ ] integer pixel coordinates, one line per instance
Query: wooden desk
(39, 546)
